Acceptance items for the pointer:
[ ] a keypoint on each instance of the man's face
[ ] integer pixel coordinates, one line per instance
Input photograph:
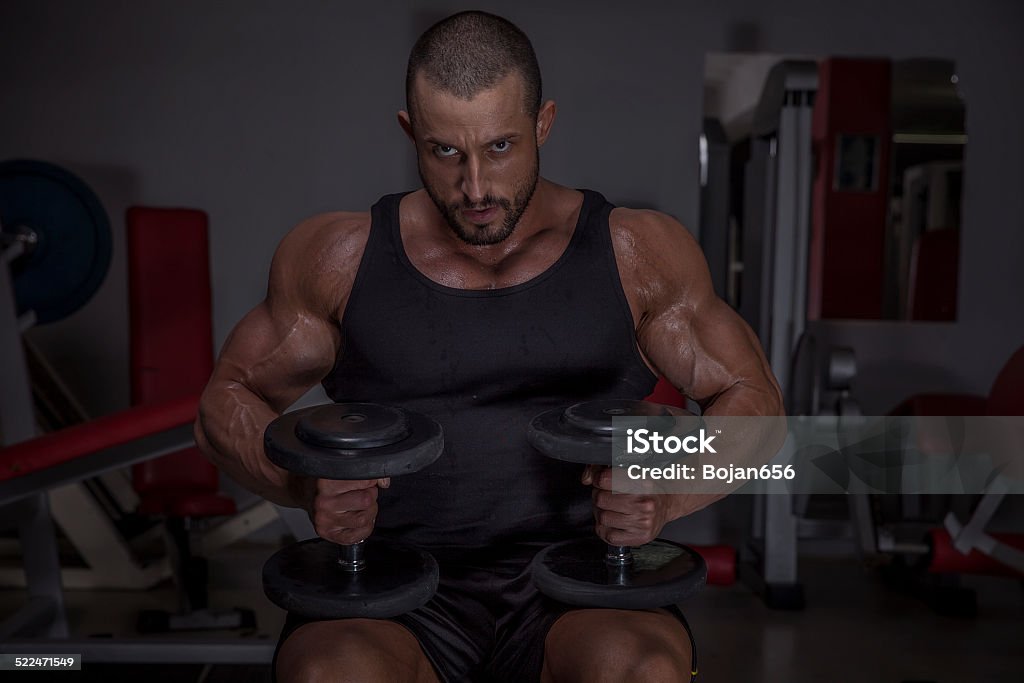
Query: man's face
(477, 159)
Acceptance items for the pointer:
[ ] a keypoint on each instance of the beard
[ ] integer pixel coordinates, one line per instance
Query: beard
(484, 235)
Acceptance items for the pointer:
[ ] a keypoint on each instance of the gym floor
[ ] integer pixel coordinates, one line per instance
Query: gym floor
(854, 628)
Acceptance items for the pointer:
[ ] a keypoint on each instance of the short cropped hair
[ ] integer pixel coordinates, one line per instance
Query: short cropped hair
(470, 52)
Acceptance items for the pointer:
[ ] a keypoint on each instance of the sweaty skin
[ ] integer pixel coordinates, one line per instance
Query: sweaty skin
(477, 159)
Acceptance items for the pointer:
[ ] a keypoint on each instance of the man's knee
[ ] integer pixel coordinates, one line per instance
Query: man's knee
(654, 666)
(647, 655)
(361, 650)
(326, 650)
(597, 645)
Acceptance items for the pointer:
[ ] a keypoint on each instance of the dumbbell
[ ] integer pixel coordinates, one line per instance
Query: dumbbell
(375, 578)
(588, 572)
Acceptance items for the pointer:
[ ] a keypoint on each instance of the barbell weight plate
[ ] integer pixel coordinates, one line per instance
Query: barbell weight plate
(71, 254)
(352, 425)
(584, 433)
(597, 417)
(662, 573)
(422, 444)
(306, 579)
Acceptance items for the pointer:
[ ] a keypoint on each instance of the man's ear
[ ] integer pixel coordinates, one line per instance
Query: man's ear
(406, 123)
(545, 119)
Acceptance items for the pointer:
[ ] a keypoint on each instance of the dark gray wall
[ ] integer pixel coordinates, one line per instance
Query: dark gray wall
(264, 113)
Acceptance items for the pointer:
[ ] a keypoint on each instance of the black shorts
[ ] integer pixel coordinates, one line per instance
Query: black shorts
(486, 624)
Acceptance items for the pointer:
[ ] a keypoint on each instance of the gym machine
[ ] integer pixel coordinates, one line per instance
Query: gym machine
(783, 270)
(772, 288)
(55, 246)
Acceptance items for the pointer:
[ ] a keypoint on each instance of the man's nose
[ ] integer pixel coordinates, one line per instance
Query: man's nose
(473, 184)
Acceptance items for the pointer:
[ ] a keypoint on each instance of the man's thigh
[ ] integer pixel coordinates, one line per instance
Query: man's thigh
(364, 650)
(605, 645)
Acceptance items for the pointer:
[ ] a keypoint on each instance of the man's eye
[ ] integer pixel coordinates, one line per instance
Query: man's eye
(445, 151)
(501, 146)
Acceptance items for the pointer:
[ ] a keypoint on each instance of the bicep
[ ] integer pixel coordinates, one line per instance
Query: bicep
(706, 351)
(289, 342)
(696, 340)
(277, 353)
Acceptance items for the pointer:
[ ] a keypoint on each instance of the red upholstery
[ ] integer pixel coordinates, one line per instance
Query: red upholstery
(849, 202)
(944, 558)
(933, 275)
(666, 394)
(721, 562)
(1007, 394)
(96, 435)
(943, 404)
(169, 289)
(1006, 397)
(171, 348)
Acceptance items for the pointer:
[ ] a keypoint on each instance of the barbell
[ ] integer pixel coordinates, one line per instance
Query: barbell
(61, 234)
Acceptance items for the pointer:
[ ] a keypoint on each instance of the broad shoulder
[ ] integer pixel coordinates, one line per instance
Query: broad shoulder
(316, 262)
(652, 248)
(318, 240)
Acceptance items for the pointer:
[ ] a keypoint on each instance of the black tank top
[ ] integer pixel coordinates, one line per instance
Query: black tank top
(484, 363)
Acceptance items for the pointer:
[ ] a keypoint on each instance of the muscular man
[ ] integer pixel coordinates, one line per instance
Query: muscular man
(482, 299)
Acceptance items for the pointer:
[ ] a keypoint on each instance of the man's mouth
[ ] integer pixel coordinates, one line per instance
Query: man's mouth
(480, 216)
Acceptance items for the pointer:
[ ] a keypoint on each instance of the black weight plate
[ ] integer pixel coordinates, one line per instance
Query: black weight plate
(550, 435)
(305, 578)
(583, 433)
(662, 573)
(72, 252)
(421, 447)
(597, 416)
(352, 425)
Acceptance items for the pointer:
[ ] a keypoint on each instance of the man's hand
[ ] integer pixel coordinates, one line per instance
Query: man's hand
(626, 518)
(343, 511)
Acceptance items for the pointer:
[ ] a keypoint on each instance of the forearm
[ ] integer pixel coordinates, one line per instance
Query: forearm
(754, 398)
(751, 390)
(229, 432)
(749, 427)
